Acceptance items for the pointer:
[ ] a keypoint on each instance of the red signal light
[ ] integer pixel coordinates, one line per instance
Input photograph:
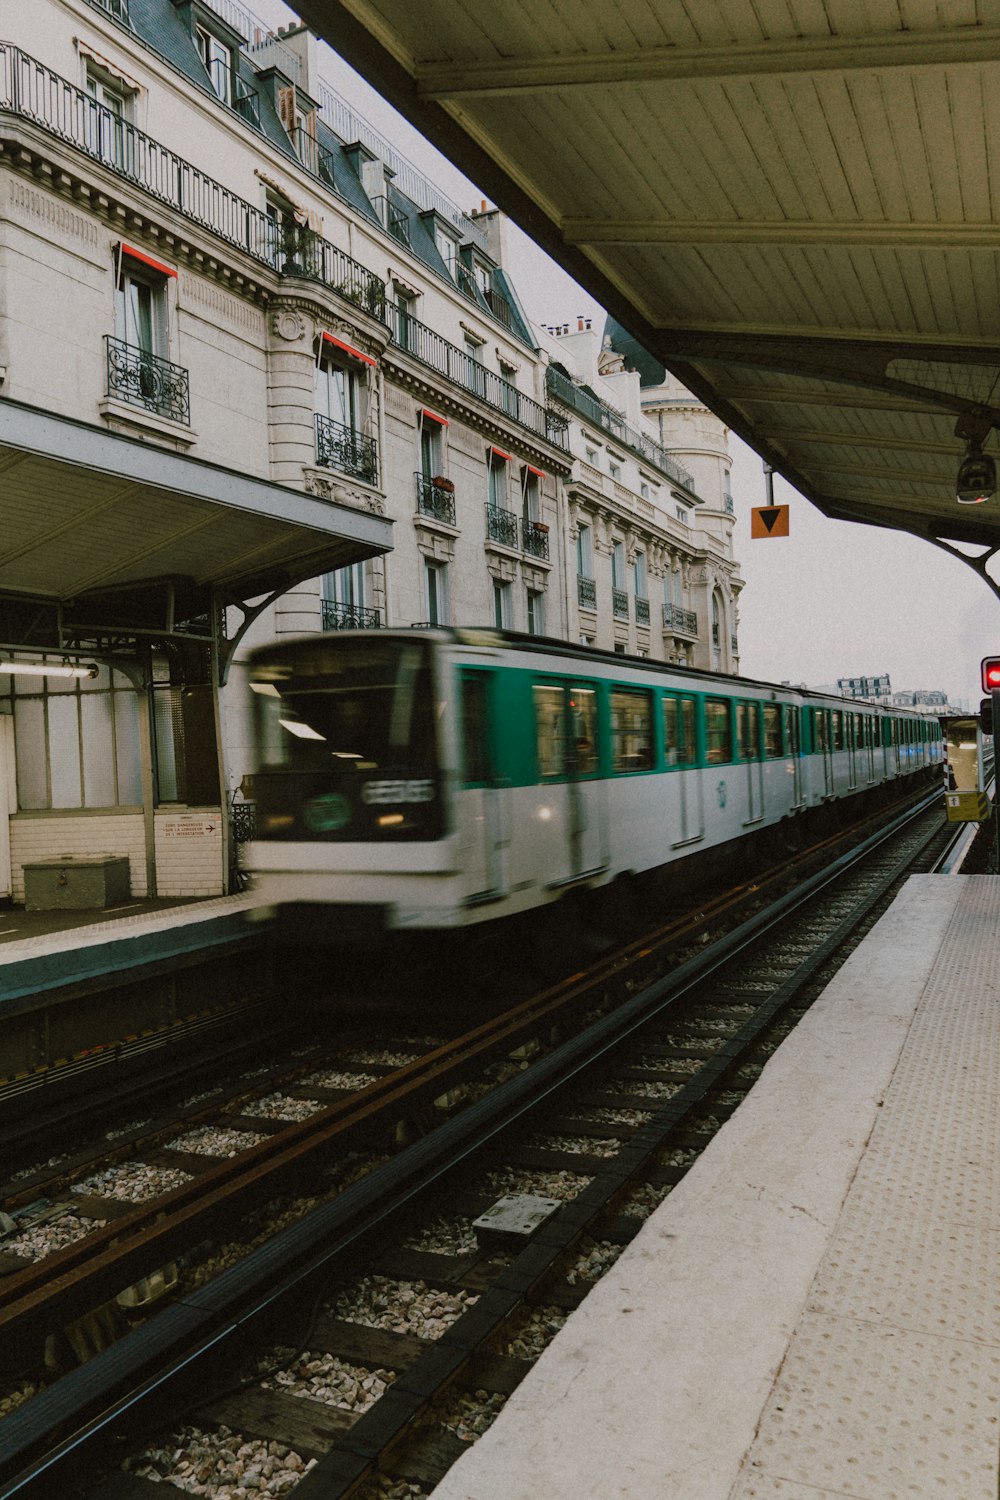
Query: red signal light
(990, 668)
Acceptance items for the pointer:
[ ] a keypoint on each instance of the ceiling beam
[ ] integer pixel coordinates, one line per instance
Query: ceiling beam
(838, 396)
(544, 72)
(861, 232)
(939, 482)
(954, 449)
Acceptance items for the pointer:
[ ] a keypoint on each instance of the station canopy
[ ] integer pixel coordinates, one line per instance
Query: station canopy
(793, 204)
(118, 533)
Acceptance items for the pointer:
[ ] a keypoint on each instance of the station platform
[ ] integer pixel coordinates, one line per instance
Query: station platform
(813, 1312)
(44, 951)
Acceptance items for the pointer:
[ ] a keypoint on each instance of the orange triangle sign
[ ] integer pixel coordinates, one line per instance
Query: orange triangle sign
(769, 520)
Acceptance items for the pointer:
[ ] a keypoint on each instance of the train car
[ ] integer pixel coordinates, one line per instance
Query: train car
(420, 780)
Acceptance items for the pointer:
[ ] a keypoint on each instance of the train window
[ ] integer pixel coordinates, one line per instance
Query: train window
(679, 747)
(791, 718)
(838, 729)
(748, 730)
(772, 731)
(475, 728)
(565, 729)
(859, 731)
(718, 732)
(550, 729)
(631, 730)
(821, 728)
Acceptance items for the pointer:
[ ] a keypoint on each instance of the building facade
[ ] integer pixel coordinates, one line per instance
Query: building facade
(212, 267)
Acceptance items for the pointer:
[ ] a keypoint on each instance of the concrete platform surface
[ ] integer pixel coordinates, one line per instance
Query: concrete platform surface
(43, 951)
(813, 1312)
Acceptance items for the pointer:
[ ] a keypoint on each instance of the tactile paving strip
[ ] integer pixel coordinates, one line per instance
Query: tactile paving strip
(891, 1384)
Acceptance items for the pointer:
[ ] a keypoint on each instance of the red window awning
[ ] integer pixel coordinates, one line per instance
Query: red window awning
(349, 349)
(147, 260)
(432, 416)
(539, 473)
(509, 457)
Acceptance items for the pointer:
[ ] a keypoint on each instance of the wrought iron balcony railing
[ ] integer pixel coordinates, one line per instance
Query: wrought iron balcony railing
(680, 621)
(501, 526)
(340, 447)
(604, 416)
(619, 603)
(34, 92)
(429, 348)
(393, 219)
(145, 380)
(437, 500)
(535, 538)
(641, 610)
(349, 616)
(231, 89)
(586, 592)
(314, 157)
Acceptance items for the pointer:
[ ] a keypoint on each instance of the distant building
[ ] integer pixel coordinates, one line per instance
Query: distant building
(869, 689)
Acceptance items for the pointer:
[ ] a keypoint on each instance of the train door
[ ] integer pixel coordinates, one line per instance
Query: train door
(685, 791)
(870, 746)
(821, 738)
(748, 733)
(851, 743)
(7, 799)
(793, 748)
(569, 762)
(481, 810)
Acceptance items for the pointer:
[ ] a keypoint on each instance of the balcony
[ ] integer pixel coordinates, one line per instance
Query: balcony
(69, 114)
(349, 616)
(680, 621)
(535, 539)
(428, 348)
(586, 592)
(501, 526)
(436, 498)
(145, 380)
(619, 603)
(611, 421)
(641, 611)
(340, 447)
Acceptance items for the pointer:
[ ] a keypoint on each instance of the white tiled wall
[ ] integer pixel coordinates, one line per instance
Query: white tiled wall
(189, 852)
(33, 838)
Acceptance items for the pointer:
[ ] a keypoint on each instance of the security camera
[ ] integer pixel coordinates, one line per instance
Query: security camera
(977, 477)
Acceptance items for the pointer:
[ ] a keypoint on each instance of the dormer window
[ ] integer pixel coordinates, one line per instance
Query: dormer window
(218, 60)
(447, 248)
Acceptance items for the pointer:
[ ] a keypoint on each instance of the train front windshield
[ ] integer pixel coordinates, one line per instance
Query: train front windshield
(346, 741)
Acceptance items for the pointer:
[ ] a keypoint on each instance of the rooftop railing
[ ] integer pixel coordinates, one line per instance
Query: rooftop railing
(34, 92)
(604, 416)
(429, 348)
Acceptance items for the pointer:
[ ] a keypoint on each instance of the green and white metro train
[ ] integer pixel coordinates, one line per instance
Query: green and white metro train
(445, 778)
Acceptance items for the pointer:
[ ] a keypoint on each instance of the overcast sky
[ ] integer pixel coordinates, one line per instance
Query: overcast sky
(833, 599)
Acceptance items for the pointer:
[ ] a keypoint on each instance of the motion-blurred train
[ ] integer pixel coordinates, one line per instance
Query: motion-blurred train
(443, 778)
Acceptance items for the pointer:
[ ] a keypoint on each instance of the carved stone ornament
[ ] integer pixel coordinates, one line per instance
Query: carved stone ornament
(288, 324)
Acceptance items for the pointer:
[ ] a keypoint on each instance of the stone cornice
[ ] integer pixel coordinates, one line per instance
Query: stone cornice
(419, 381)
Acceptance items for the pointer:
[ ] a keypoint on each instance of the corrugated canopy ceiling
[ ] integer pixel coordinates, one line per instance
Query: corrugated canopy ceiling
(794, 204)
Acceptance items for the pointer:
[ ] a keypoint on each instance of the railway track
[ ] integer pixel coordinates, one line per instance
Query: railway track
(632, 1096)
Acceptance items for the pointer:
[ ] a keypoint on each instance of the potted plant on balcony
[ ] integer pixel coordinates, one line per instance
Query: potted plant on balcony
(441, 482)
